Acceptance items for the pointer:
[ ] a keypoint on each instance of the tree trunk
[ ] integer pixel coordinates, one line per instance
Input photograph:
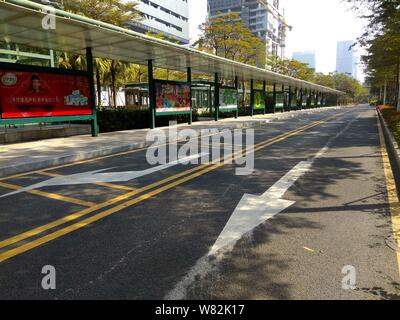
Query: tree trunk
(109, 95)
(398, 83)
(398, 91)
(114, 96)
(98, 83)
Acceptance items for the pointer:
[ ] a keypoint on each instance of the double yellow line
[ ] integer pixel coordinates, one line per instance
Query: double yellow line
(159, 187)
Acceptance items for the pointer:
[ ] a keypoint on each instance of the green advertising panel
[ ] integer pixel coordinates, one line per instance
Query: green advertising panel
(280, 100)
(228, 99)
(259, 103)
(294, 101)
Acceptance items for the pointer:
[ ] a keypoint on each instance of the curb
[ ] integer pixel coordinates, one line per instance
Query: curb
(81, 156)
(392, 145)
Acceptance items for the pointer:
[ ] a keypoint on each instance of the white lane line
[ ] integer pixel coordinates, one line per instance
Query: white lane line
(99, 176)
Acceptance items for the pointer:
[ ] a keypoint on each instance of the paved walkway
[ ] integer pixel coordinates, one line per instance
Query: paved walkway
(21, 157)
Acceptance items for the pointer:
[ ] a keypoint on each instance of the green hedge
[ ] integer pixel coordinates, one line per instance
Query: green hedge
(122, 119)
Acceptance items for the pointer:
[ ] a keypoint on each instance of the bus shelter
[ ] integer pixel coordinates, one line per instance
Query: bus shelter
(30, 93)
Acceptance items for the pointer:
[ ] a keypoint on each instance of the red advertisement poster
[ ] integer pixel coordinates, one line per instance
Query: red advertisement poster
(26, 94)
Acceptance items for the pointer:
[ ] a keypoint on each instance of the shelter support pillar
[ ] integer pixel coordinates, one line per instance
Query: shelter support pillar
(89, 59)
(307, 98)
(237, 88)
(301, 98)
(283, 97)
(290, 98)
(274, 95)
(189, 80)
(152, 95)
(252, 97)
(216, 97)
(264, 95)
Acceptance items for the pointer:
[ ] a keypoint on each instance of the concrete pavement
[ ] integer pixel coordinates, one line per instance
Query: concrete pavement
(139, 239)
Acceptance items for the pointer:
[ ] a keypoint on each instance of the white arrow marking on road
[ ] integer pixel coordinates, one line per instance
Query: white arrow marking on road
(254, 210)
(251, 212)
(100, 176)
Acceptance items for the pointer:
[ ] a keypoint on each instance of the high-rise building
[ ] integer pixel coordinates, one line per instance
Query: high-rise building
(346, 60)
(307, 57)
(263, 17)
(167, 17)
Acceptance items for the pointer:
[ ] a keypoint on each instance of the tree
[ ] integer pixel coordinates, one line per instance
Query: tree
(227, 37)
(117, 12)
(382, 42)
(291, 68)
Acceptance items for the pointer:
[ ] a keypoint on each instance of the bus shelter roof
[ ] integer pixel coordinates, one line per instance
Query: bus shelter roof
(21, 23)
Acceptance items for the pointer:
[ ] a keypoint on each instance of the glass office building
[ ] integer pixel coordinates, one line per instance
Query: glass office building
(307, 57)
(167, 17)
(263, 17)
(346, 59)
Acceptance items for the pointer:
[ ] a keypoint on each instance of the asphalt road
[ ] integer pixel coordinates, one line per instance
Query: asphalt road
(143, 239)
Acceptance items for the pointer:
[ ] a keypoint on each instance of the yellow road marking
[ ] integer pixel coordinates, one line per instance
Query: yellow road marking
(392, 193)
(52, 236)
(52, 196)
(87, 211)
(35, 243)
(104, 184)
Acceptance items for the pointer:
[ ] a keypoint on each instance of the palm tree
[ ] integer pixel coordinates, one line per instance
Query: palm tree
(101, 66)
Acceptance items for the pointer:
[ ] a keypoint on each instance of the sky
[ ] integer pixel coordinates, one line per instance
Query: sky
(317, 26)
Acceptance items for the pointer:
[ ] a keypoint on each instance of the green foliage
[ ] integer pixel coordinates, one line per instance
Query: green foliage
(392, 118)
(227, 37)
(107, 72)
(381, 39)
(291, 68)
(117, 12)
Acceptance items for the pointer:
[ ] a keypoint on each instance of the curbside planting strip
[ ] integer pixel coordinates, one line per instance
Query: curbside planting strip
(393, 148)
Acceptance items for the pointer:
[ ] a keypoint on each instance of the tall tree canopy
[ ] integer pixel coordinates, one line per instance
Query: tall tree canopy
(116, 12)
(107, 72)
(381, 39)
(226, 36)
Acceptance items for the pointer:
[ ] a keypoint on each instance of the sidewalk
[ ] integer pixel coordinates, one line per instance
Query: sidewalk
(28, 156)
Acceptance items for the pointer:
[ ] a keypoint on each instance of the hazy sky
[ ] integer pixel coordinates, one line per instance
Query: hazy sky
(317, 26)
